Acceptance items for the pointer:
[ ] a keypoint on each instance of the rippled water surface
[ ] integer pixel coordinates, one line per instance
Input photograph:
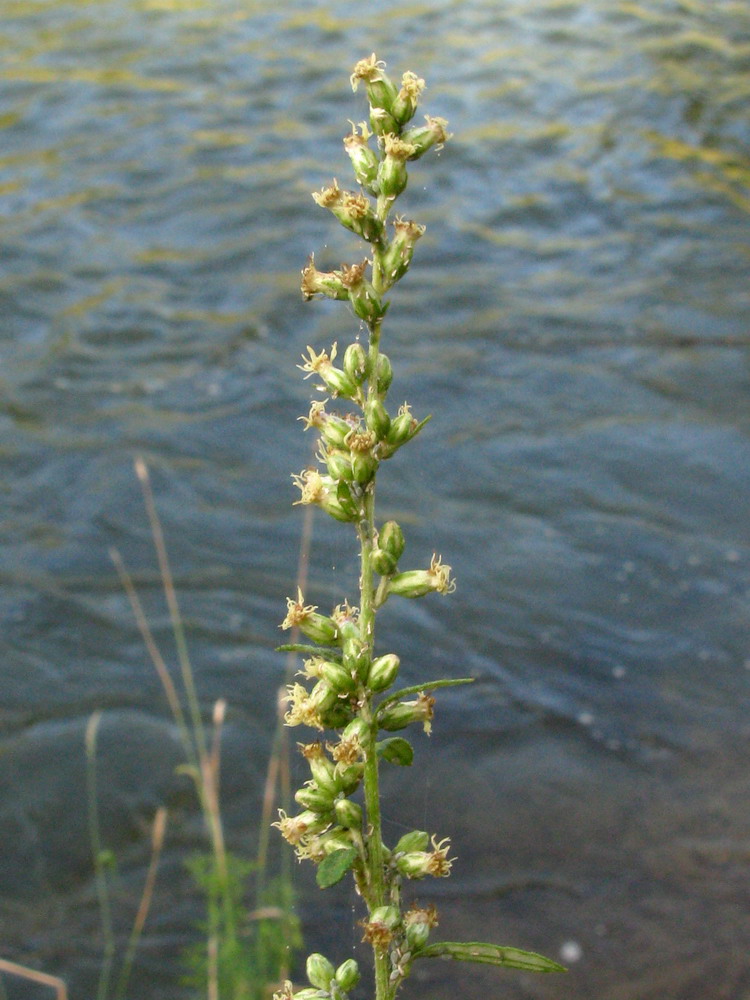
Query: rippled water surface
(577, 322)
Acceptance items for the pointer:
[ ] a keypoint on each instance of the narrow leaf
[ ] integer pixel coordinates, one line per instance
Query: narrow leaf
(300, 647)
(429, 686)
(396, 751)
(490, 954)
(333, 868)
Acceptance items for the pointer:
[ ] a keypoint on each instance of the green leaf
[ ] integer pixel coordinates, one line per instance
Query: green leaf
(299, 647)
(333, 868)
(396, 750)
(490, 954)
(429, 686)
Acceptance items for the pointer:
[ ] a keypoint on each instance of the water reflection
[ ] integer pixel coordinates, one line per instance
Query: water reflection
(577, 322)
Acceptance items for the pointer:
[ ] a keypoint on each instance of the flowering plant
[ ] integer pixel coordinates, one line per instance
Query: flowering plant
(348, 688)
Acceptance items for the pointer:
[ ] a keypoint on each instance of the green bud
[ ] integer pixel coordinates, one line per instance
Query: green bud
(377, 419)
(405, 103)
(415, 840)
(383, 562)
(383, 375)
(357, 729)
(334, 429)
(403, 713)
(355, 362)
(316, 282)
(339, 465)
(309, 994)
(418, 582)
(317, 627)
(323, 769)
(348, 813)
(353, 211)
(347, 974)
(382, 122)
(417, 935)
(323, 696)
(403, 426)
(356, 656)
(364, 466)
(397, 257)
(315, 799)
(338, 510)
(337, 676)
(381, 91)
(383, 672)
(424, 137)
(320, 971)
(387, 915)
(364, 159)
(392, 174)
(336, 717)
(349, 777)
(391, 538)
(335, 840)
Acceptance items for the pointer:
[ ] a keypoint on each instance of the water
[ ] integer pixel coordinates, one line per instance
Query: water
(577, 322)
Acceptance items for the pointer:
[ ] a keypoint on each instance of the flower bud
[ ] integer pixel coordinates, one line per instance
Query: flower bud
(305, 994)
(323, 696)
(353, 211)
(336, 380)
(399, 252)
(322, 769)
(383, 375)
(383, 562)
(382, 122)
(333, 429)
(418, 582)
(335, 840)
(403, 426)
(387, 915)
(357, 730)
(405, 103)
(381, 91)
(347, 974)
(315, 799)
(348, 813)
(417, 936)
(316, 282)
(418, 864)
(377, 419)
(347, 622)
(338, 464)
(364, 160)
(355, 362)
(423, 137)
(356, 656)
(364, 465)
(383, 672)
(349, 777)
(337, 676)
(320, 971)
(403, 713)
(316, 627)
(392, 174)
(336, 717)
(415, 840)
(391, 539)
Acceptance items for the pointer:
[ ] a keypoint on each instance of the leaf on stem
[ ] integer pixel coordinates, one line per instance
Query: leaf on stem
(333, 868)
(490, 954)
(396, 750)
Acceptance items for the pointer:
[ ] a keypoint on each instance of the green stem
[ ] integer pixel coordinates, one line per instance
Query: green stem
(377, 888)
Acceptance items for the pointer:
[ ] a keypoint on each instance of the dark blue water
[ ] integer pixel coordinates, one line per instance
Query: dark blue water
(576, 320)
